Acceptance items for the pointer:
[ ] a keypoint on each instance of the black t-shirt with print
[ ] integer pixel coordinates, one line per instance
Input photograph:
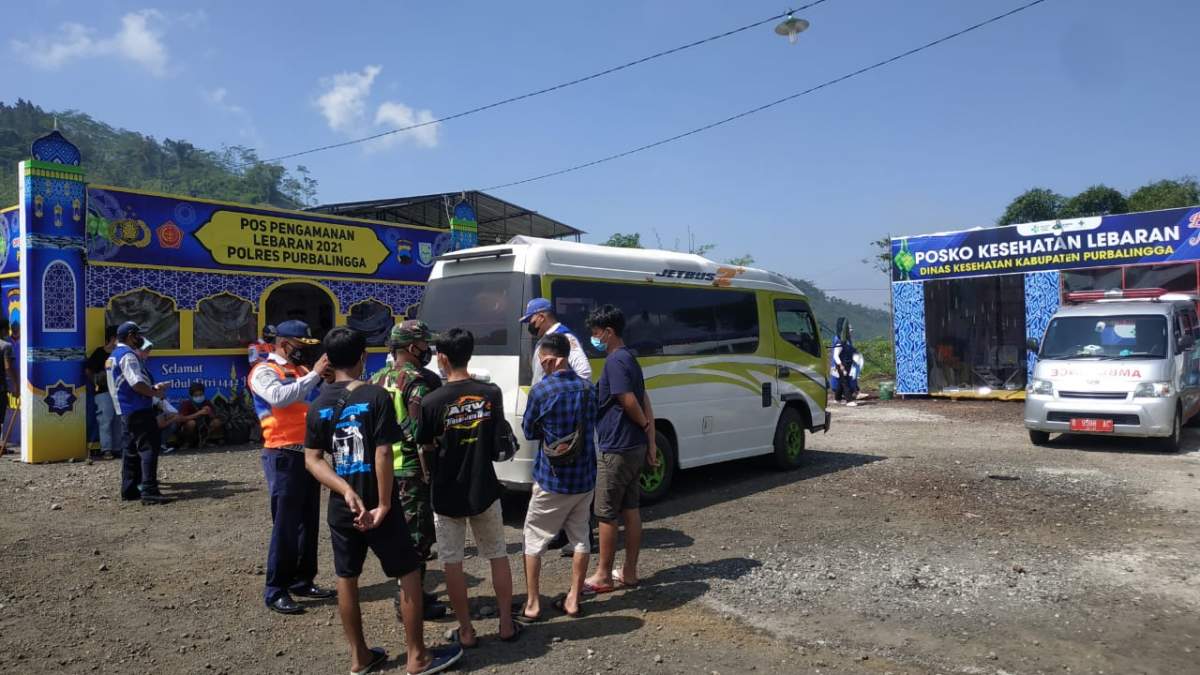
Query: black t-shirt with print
(367, 421)
(461, 417)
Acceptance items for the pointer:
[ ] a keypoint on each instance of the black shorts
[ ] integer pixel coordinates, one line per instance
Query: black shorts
(390, 542)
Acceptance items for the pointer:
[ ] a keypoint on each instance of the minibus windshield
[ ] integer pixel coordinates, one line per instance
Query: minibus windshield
(487, 304)
(1106, 337)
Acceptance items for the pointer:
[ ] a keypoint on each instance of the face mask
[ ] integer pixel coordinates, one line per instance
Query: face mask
(532, 329)
(425, 357)
(598, 344)
(198, 399)
(294, 354)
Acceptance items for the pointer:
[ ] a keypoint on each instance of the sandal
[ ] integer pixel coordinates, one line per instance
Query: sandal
(380, 658)
(620, 581)
(560, 603)
(454, 637)
(518, 614)
(590, 589)
(518, 628)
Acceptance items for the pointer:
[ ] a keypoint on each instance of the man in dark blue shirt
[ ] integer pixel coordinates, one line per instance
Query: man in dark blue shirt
(626, 434)
(561, 414)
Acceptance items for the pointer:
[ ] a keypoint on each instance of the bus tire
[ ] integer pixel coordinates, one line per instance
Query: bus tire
(789, 440)
(656, 481)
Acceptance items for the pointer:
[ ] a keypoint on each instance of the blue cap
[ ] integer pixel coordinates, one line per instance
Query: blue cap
(536, 306)
(296, 330)
(127, 328)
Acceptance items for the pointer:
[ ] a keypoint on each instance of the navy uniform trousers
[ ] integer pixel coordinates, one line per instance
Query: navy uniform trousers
(296, 514)
(139, 457)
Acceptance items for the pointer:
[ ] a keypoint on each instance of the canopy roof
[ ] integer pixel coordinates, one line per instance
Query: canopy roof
(498, 219)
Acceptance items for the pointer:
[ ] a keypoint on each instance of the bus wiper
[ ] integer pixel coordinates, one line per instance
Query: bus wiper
(1136, 355)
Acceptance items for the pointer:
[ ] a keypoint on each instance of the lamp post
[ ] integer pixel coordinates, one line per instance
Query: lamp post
(791, 27)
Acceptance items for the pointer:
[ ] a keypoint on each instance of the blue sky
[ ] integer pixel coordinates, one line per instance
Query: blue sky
(1064, 95)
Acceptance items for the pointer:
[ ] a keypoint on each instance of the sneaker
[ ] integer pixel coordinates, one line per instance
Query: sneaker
(168, 449)
(851, 404)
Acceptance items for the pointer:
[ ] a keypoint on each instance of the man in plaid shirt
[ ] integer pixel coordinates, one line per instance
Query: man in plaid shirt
(561, 406)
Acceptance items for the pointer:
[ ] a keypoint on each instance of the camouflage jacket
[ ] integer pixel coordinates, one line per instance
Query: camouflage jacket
(408, 385)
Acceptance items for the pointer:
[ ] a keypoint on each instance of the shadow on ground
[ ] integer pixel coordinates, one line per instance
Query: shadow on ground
(205, 489)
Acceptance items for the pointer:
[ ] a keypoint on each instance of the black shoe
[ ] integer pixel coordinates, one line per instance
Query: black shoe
(434, 609)
(284, 605)
(314, 591)
(155, 499)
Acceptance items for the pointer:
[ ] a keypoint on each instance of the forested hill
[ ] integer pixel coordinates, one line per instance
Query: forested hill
(126, 158)
(868, 322)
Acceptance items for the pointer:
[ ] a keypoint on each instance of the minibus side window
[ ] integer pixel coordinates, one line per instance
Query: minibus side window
(796, 326)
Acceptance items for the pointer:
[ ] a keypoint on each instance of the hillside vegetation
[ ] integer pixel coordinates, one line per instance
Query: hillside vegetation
(129, 159)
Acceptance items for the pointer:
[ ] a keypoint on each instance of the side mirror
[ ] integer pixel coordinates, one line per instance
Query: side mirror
(1031, 345)
(1186, 342)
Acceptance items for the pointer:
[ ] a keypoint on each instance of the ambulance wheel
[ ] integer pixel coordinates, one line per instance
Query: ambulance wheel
(656, 481)
(1039, 438)
(789, 440)
(1173, 442)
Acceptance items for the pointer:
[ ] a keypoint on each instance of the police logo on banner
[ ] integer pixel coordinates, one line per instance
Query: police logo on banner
(425, 253)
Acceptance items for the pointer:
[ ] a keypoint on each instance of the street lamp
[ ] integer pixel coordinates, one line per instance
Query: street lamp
(791, 27)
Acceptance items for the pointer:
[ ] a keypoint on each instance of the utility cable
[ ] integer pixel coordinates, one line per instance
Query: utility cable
(772, 104)
(539, 92)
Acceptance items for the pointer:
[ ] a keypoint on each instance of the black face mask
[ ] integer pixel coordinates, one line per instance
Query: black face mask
(532, 330)
(424, 356)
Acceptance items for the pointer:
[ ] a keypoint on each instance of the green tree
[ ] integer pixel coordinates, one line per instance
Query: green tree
(1098, 200)
(624, 240)
(1165, 194)
(881, 255)
(1033, 205)
(741, 260)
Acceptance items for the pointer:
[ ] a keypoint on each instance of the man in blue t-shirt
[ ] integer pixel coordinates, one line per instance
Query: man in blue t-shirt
(625, 430)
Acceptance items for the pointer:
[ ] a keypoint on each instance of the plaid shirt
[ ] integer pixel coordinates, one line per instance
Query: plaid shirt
(553, 411)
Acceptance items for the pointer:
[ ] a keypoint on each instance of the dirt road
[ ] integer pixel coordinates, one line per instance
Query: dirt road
(921, 537)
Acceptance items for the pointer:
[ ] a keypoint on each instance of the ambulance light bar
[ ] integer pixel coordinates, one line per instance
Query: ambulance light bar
(1117, 294)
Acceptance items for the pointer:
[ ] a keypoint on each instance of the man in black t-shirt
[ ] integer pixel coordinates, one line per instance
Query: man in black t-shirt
(461, 418)
(109, 434)
(356, 424)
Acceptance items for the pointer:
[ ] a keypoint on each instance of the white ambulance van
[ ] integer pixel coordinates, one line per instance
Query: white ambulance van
(1117, 363)
(732, 355)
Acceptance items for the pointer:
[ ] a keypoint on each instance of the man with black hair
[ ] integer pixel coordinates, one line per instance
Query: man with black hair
(280, 387)
(408, 381)
(134, 394)
(463, 418)
(356, 424)
(108, 434)
(561, 416)
(11, 375)
(625, 430)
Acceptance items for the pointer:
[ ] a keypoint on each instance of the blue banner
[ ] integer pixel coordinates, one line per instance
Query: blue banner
(136, 228)
(1172, 235)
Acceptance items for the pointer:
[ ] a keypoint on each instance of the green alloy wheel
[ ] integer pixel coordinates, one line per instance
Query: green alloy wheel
(789, 440)
(656, 481)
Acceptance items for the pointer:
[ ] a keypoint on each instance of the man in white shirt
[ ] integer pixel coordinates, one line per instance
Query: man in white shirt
(539, 315)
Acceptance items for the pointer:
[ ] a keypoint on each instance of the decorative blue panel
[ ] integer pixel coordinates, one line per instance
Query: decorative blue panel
(1042, 295)
(58, 298)
(908, 317)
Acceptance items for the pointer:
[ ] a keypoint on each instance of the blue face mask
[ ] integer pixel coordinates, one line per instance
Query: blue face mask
(599, 344)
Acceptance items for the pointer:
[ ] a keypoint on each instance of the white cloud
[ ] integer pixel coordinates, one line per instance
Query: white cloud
(393, 115)
(218, 98)
(139, 40)
(344, 102)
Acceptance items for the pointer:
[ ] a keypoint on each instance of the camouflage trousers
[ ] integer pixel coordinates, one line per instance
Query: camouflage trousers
(418, 514)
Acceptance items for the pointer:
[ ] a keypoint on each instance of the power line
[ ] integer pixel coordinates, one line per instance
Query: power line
(539, 92)
(772, 104)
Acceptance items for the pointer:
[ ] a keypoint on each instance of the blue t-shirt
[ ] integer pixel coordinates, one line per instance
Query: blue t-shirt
(622, 375)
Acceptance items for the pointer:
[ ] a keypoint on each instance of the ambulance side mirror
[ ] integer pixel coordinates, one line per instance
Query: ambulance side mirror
(1186, 342)
(1031, 345)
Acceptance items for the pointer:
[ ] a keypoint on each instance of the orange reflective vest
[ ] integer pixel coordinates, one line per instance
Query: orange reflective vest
(280, 426)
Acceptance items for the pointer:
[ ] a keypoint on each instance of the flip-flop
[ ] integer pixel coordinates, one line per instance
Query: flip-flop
(443, 658)
(590, 589)
(560, 604)
(621, 582)
(518, 628)
(380, 659)
(453, 636)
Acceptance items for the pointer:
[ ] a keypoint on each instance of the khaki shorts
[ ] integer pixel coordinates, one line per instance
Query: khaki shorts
(617, 486)
(487, 529)
(550, 512)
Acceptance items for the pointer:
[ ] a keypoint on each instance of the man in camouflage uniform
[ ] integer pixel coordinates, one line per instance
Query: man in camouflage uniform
(408, 381)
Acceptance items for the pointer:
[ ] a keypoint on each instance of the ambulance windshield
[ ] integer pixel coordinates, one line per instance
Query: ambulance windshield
(1106, 337)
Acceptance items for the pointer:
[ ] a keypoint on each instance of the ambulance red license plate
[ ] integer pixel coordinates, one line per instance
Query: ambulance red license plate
(1091, 425)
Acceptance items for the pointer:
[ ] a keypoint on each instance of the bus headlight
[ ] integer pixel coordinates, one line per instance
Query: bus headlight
(1152, 390)
(1041, 387)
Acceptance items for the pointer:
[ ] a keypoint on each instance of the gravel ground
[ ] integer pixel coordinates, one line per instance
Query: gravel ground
(920, 537)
